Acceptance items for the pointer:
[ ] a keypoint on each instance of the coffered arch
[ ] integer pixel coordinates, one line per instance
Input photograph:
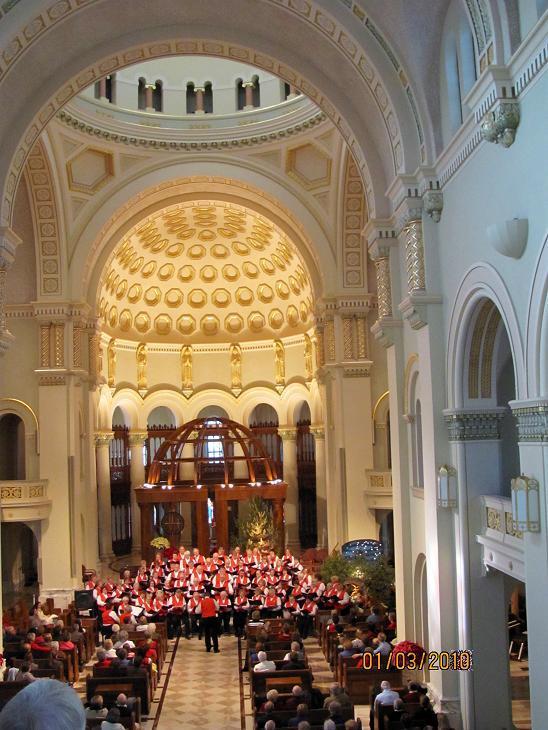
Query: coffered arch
(276, 40)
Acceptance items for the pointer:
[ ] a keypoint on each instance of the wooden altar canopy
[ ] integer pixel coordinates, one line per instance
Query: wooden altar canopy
(213, 458)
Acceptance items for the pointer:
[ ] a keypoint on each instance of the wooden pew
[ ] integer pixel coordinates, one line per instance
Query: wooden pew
(261, 682)
(315, 717)
(383, 711)
(110, 688)
(95, 722)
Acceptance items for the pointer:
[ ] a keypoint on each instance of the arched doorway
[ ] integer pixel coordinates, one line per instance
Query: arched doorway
(19, 563)
(12, 447)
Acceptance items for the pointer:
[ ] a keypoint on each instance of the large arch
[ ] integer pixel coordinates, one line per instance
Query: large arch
(278, 39)
(482, 281)
(166, 185)
(537, 329)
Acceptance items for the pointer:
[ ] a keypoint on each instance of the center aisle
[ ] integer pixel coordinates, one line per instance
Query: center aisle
(203, 689)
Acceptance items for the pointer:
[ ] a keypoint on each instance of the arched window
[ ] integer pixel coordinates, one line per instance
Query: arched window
(208, 98)
(158, 96)
(256, 91)
(458, 68)
(240, 94)
(141, 94)
(419, 476)
(190, 98)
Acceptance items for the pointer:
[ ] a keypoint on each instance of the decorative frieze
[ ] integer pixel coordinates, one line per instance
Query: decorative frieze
(137, 438)
(329, 334)
(9, 241)
(474, 425)
(414, 255)
(532, 419)
(287, 433)
(384, 287)
(103, 438)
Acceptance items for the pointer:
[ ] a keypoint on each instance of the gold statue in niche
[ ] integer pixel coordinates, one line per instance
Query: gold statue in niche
(141, 366)
(279, 360)
(186, 367)
(236, 367)
(111, 363)
(308, 367)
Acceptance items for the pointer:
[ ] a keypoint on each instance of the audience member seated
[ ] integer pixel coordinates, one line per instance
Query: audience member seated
(414, 692)
(347, 650)
(125, 705)
(264, 664)
(425, 717)
(301, 716)
(112, 720)
(268, 715)
(297, 649)
(103, 661)
(272, 696)
(44, 705)
(293, 662)
(382, 646)
(96, 708)
(298, 697)
(329, 725)
(337, 693)
(387, 696)
(270, 725)
(335, 713)
(24, 674)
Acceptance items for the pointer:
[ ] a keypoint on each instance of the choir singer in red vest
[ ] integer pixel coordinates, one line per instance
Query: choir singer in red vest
(210, 622)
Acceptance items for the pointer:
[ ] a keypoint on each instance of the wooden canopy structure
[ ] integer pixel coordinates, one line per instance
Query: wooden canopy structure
(210, 458)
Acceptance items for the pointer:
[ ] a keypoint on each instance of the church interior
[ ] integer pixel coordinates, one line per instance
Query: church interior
(274, 327)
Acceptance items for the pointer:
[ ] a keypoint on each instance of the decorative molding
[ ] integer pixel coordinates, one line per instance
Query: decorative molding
(357, 370)
(384, 330)
(51, 379)
(474, 425)
(354, 215)
(532, 419)
(500, 124)
(45, 219)
(414, 308)
(318, 432)
(103, 438)
(71, 119)
(287, 433)
(136, 438)
(432, 204)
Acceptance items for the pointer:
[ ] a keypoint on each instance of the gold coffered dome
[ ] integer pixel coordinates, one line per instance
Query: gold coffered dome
(205, 272)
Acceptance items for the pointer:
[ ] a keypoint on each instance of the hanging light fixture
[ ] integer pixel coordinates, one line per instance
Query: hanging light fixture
(447, 487)
(525, 504)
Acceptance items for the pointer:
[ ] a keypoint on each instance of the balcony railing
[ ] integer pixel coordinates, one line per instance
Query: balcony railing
(502, 545)
(24, 500)
(378, 489)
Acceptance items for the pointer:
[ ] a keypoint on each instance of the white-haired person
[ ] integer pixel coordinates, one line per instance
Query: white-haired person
(387, 695)
(264, 664)
(44, 705)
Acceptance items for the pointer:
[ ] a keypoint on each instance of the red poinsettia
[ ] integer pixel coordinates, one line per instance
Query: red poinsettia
(409, 647)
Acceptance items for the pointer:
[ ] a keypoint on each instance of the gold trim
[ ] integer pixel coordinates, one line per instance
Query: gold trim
(22, 403)
(377, 404)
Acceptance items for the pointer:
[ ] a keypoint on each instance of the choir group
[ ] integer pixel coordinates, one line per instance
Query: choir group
(243, 584)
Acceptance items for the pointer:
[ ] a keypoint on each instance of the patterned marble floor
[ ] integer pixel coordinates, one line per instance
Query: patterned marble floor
(188, 703)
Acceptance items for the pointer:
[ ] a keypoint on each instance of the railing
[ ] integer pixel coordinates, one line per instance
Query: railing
(24, 500)
(378, 489)
(502, 545)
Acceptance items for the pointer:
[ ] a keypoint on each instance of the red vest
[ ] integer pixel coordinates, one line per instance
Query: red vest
(209, 609)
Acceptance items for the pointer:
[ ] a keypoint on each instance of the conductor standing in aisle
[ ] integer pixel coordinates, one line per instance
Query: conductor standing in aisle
(210, 622)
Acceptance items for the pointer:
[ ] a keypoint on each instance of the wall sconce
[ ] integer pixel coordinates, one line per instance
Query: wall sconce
(525, 504)
(509, 238)
(447, 486)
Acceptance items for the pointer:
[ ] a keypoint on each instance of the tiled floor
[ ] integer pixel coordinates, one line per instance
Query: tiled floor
(203, 690)
(521, 709)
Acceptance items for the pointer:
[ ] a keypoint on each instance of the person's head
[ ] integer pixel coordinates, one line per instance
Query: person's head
(261, 656)
(107, 644)
(113, 715)
(272, 695)
(413, 686)
(302, 710)
(55, 646)
(121, 699)
(121, 654)
(269, 707)
(303, 725)
(398, 705)
(329, 725)
(295, 646)
(351, 725)
(381, 636)
(385, 685)
(25, 667)
(334, 708)
(96, 702)
(297, 691)
(335, 689)
(101, 655)
(256, 616)
(44, 705)
(270, 725)
(347, 644)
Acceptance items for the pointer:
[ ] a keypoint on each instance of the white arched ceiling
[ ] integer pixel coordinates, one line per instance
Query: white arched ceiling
(164, 186)
(339, 76)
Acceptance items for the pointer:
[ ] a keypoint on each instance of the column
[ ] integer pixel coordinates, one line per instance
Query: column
(102, 441)
(221, 523)
(278, 519)
(384, 287)
(202, 527)
(103, 89)
(146, 530)
(414, 254)
(137, 477)
(248, 87)
(149, 104)
(293, 92)
(289, 438)
(532, 421)
(8, 244)
(321, 487)
(199, 90)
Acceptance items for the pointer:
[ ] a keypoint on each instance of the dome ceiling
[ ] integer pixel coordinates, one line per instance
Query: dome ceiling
(205, 272)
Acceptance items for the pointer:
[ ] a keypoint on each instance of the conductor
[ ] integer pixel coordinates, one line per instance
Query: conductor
(210, 622)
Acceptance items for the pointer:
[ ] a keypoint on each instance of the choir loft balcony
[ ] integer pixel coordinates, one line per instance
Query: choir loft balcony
(24, 501)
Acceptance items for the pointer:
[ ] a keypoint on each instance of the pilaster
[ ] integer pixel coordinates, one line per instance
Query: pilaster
(288, 435)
